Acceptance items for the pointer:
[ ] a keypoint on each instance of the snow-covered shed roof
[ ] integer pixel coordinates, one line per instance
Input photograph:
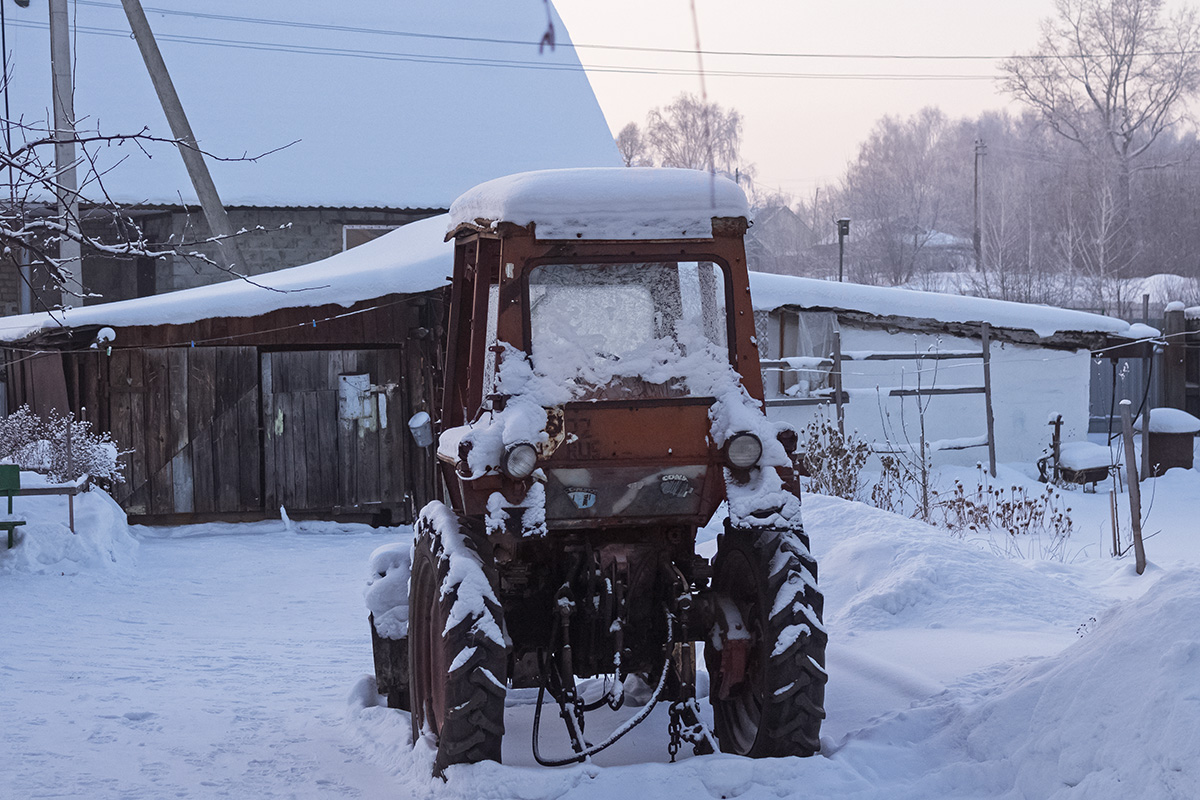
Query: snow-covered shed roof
(775, 291)
(390, 104)
(614, 203)
(411, 259)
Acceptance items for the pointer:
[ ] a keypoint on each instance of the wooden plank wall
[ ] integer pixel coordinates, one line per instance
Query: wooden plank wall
(190, 419)
(316, 461)
(198, 427)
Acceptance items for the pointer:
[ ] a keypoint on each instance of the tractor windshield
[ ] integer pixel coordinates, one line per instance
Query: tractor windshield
(629, 331)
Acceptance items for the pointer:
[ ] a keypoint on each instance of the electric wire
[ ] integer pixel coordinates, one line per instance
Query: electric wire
(614, 47)
(384, 55)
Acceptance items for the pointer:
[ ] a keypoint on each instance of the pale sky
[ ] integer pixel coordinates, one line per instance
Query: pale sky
(801, 132)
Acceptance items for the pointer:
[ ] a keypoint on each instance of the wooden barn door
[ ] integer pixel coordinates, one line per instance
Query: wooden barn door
(189, 417)
(334, 424)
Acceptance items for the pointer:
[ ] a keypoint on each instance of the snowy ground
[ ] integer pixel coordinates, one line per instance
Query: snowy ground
(231, 661)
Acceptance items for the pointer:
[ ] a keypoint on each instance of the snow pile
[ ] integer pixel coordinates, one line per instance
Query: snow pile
(45, 544)
(620, 203)
(883, 571)
(387, 588)
(1111, 717)
(1140, 330)
(1170, 420)
(1085, 455)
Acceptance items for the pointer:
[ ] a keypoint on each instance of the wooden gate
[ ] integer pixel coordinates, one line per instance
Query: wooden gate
(334, 431)
(189, 419)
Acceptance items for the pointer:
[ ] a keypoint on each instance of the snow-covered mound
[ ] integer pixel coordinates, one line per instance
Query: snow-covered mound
(881, 571)
(1109, 718)
(386, 593)
(45, 543)
(1169, 420)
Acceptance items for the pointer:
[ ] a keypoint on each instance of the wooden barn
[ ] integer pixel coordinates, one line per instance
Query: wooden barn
(235, 399)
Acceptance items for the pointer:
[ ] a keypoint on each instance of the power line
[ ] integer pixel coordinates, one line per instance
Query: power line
(621, 48)
(383, 55)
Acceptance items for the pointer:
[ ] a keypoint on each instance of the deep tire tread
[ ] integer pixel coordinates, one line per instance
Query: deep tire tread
(790, 721)
(472, 726)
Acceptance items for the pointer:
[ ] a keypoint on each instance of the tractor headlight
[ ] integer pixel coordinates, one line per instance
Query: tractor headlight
(743, 450)
(519, 461)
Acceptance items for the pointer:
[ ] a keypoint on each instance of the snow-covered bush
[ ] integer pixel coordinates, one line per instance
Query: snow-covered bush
(34, 443)
(834, 461)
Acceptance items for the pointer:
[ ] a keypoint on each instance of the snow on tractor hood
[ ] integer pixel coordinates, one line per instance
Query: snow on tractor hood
(601, 203)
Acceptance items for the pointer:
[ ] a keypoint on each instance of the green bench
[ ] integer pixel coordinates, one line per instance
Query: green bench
(10, 486)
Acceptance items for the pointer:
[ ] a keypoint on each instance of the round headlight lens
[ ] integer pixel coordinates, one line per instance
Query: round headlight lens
(520, 460)
(743, 450)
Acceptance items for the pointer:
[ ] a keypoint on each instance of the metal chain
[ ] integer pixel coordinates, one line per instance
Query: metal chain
(579, 715)
(695, 734)
(675, 729)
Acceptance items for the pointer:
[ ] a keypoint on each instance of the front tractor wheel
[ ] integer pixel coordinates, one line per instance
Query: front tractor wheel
(458, 659)
(768, 679)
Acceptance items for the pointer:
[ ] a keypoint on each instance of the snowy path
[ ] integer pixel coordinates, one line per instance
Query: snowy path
(218, 669)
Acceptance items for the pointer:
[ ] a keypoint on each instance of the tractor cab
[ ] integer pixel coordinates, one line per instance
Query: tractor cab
(621, 323)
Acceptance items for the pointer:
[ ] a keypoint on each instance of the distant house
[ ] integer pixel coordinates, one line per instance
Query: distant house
(385, 112)
(778, 241)
(890, 251)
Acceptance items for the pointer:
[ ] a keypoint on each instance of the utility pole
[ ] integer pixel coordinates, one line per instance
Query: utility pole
(193, 159)
(980, 152)
(63, 90)
(843, 229)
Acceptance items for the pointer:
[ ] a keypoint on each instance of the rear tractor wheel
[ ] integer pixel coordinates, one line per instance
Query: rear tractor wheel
(767, 671)
(457, 652)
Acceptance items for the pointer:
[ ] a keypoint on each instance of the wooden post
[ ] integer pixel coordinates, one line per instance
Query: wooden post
(66, 185)
(70, 475)
(837, 376)
(1174, 359)
(987, 399)
(1146, 445)
(1056, 446)
(1116, 530)
(1135, 490)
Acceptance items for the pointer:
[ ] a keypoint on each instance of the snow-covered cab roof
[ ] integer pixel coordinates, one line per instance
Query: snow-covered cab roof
(601, 203)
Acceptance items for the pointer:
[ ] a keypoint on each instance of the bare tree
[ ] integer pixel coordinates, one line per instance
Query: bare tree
(896, 189)
(633, 148)
(692, 134)
(1111, 76)
(32, 230)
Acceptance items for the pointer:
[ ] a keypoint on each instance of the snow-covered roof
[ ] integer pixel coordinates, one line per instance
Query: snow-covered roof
(390, 104)
(775, 291)
(621, 203)
(413, 258)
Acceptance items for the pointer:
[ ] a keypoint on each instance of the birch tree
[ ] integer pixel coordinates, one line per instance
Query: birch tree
(1111, 76)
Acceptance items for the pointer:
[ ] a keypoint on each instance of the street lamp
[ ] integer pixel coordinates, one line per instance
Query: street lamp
(843, 226)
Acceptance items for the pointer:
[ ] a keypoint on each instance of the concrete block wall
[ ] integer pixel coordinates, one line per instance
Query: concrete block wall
(290, 237)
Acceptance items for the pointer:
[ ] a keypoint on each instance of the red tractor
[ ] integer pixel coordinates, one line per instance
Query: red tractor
(603, 399)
